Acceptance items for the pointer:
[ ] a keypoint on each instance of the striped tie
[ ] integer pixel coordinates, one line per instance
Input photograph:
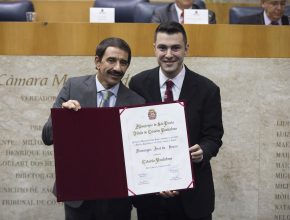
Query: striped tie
(105, 102)
(181, 18)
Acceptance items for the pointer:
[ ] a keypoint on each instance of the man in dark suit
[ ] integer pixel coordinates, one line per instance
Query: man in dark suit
(113, 56)
(204, 121)
(174, 12)
(273, 14)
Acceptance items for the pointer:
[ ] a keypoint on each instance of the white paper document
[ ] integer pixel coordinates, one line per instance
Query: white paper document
(102, 15)
(195, 16)
(156, 150)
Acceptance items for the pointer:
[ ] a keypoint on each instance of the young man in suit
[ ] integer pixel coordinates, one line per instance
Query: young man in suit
(113, 56)
(204, 121)
(273, 14)
(174, 11)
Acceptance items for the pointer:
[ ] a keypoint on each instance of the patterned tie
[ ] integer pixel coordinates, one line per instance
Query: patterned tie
(182, 17)
(105, 102)
(168, 96)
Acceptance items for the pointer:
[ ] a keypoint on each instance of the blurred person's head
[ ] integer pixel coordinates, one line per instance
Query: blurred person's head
(274, 8)
(184, 4)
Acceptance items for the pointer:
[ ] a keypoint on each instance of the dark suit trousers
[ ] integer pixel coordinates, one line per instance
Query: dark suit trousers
(99, 210)
(167, 209)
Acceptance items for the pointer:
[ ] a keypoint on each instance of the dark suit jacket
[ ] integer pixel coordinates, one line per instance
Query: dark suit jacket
(259, 19)
(168, 13)
(204, 121)
(84, 90)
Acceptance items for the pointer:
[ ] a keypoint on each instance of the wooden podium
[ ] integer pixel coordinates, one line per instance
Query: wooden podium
(80, 39)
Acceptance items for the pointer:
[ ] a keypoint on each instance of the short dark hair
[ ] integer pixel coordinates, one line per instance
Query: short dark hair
(113, 42)
(171, 28)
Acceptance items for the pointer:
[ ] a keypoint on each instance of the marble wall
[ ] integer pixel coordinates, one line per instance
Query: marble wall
(251, 171)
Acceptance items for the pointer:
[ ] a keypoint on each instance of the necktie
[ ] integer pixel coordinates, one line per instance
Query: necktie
(182, 17)
(105, 102)
(274, 23)
(168, 96)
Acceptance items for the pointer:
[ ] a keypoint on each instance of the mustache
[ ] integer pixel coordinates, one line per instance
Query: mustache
(116, 73)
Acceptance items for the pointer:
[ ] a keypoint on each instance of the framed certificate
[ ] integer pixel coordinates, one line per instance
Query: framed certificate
(103, 153)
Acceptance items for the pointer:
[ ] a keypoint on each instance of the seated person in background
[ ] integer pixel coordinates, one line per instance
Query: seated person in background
(273, 14)
(174, 12)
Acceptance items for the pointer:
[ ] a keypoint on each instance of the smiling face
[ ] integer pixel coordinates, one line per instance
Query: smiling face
(274, 8)
(112, 67)
(170, 51)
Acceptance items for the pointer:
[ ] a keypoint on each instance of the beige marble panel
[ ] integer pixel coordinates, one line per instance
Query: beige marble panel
(251, 172)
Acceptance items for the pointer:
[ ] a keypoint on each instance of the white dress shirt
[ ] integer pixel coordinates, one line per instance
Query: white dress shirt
(178, 81)
(113, 89)
(268, 21)
(179, 12)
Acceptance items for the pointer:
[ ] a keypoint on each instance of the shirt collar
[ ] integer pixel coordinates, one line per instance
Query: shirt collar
(177, 80)
(268, 20)
(113, 89)
(179, 10)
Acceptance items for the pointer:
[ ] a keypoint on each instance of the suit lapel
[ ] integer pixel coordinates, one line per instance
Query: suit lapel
(153, 86)
(189, 86)
(172, 13)
(261, 18)
(90, 92)
(122, 95)
(285, 20)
